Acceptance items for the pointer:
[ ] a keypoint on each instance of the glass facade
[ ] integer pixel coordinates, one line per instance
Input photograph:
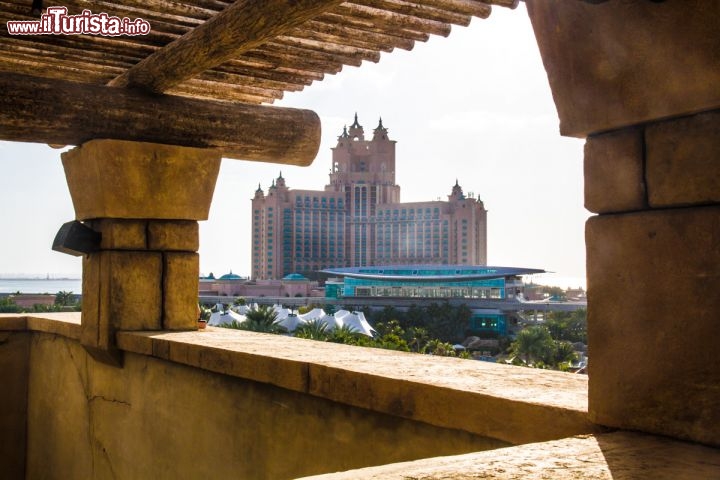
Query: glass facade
(488, 322)
(366, 287)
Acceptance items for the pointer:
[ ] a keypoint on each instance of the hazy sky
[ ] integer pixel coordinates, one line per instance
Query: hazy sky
(475, 107)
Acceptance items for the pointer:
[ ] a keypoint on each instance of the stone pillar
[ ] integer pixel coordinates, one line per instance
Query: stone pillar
(639, 80)
(145, 199)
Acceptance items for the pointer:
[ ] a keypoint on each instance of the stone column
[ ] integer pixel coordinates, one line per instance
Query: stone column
(145, 199)
(640, 80)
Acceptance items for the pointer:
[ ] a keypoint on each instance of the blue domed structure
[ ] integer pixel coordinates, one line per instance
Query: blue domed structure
(294, 277)
(231, 276)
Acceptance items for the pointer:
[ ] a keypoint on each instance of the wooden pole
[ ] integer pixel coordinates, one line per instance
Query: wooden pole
(52, 111)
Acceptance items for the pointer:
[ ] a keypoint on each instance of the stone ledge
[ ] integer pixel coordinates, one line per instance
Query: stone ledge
(610, 456)
(12, 322)
(65, 324)
(513, 404)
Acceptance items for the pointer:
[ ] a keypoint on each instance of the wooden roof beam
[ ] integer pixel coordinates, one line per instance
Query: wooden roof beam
(51, 111)
(241, 27)
(209, 90)
(418, 10)
(362, 24)
(393, 20)
(476, 8)
(341, 33)
(257, 68)
(249, 81)
(267, 94)
(340, 51)
(294, 59)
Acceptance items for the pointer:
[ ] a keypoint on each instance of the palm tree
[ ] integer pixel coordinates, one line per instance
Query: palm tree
(439, 348)
(64, 298)
(564, 353)
(346, 334)
(533, 344)
(264, 320)
(418, 338)
(313, 330)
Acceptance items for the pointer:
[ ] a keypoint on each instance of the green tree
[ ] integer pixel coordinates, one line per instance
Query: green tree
(569, 326)
(563, 355)
(447, 323)
(390, 336)
(349, 336)
(417, 339)
(556, 293)
(415, 316)
(313, 330)
(440, 349)
(533, 344)
(7, 305)
(387, 314)
(264, 320)
(64, 298)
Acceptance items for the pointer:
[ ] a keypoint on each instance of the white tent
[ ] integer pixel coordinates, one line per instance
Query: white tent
(241, 309)
(313, 314)
(331, 322)
(223, 318)
(357, 321)
(290, 322)
(341, 313)
(281, 312)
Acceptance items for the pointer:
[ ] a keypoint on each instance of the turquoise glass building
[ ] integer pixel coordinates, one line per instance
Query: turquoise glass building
(433, 282)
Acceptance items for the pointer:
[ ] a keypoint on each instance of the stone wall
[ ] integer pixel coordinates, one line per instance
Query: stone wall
(222, 403)
(14, 358)
(654, 277)
(639, 80)
(159, 419)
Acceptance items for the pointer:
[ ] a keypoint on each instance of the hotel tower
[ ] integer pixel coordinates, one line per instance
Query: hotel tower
(358, 220)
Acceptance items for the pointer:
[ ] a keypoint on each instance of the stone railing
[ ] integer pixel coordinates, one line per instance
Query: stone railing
(224, 403)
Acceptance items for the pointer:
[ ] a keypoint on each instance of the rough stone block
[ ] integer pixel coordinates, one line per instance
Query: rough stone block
(95, 329)
(180, 290)
(122, 179)
(134, 289)
(14, 373)
(120, 234)
(653, 303)
(683, 161)
(618, 63)
(173, 235)
(614, 172)
(121, 291)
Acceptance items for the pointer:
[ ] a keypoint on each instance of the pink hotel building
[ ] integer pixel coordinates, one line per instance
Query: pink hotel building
(358, 220)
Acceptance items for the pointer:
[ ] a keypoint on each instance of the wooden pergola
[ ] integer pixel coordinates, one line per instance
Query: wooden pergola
(199, 77)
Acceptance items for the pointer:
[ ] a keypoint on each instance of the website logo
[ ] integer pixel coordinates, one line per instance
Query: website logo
(56, 21)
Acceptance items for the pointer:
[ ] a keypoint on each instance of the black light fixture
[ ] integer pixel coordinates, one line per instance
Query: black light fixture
(37, 6)
(76, 238)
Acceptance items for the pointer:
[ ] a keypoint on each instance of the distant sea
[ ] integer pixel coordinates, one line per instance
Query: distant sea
(40, 285)
(54, 285)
